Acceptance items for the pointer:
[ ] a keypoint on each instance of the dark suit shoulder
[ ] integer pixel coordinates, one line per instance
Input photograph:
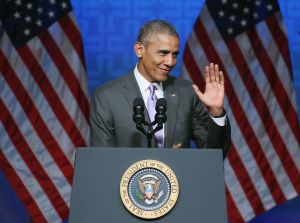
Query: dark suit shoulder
(178, 81)
(112, 85)
(180, 84)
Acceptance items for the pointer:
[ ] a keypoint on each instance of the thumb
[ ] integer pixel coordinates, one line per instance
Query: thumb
(176, 146)
(197, 91)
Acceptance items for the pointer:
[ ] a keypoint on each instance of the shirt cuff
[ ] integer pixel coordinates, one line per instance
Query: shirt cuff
(219, 121)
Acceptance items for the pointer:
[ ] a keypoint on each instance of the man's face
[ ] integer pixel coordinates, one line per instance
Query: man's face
(158, 57)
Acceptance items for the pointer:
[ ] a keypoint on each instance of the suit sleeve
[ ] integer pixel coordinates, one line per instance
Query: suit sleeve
(205, 132)
(101, 121)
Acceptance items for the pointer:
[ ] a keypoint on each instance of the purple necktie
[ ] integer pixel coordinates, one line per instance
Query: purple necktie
(151, 111)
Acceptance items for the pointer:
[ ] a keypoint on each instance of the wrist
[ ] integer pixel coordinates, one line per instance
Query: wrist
(218, 113)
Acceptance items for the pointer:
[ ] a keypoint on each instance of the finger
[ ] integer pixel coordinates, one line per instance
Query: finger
(212, 72)
(176, 146)
(222, 80)
(207, 77)
(217, 73)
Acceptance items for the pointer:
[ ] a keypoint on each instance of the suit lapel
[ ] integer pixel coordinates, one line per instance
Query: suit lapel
(171, 96)
(132, 91)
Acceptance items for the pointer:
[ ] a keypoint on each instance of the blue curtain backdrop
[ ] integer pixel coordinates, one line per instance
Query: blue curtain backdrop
(109, 29)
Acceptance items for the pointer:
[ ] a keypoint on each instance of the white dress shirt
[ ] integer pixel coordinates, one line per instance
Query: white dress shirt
(144, 87)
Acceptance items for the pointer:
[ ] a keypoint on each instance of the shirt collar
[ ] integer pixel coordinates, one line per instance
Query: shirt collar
(144, 83)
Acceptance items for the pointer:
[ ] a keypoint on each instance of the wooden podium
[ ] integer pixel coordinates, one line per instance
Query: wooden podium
(98, 172)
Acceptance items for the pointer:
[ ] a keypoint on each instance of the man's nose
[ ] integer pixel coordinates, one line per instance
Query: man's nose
(170, 60)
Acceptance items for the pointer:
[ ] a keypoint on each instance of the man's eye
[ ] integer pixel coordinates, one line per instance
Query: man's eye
(163, 53)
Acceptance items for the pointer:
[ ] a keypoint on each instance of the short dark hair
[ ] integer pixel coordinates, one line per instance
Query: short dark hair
(154, 27)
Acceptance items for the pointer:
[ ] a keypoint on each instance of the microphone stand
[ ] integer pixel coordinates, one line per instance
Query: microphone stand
(152, 131)
(149, 137)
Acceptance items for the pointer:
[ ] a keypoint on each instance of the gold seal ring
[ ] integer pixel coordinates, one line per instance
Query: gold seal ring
(149, 189)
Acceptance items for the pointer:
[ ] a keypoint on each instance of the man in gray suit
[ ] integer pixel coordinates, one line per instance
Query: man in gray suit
(191, 115)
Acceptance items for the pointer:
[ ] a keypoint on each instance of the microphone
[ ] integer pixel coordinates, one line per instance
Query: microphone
(161, 108)
(139, 117)
(138, 109)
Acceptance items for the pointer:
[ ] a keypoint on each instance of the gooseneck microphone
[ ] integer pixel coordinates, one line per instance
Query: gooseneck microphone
(138, 108)
(138, 114)
(161, 108)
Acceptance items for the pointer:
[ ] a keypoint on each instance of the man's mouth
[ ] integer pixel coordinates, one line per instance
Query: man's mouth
(165, 70)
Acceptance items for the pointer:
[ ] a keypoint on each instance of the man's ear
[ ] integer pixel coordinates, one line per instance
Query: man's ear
(139, 49)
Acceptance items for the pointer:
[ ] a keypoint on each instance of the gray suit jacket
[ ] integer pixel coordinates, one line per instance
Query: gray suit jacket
(112, 123)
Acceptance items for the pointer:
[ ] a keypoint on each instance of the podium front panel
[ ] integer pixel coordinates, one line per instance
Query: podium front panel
(98, 171)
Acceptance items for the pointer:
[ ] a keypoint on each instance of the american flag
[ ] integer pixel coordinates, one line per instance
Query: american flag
(248, 40)
(43, 103)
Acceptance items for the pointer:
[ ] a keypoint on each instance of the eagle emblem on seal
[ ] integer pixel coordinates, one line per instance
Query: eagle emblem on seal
(149, 189)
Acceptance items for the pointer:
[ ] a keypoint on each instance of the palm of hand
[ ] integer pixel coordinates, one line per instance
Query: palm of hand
(213, 96)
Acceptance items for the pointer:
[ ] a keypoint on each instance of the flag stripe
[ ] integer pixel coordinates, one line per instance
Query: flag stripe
(233, 212)
(21, 189)
(59, 35)
(36, 168)
(37, 96)
(280, 39)
(71, 30)
(270, 45)
(191, 66)
(262, 109)
(250, 46)
(277, 165)
(67, 104)
(250, 110)
(38, 148)
(23, 173)
(246, 182)
(274, 81)
(44, 88)
(272, 75)
(266, 92)
(247, 103)
(238, 195)
(65, 71)
(240, 115)
(48, 91)
(35, 118)
(251, 165)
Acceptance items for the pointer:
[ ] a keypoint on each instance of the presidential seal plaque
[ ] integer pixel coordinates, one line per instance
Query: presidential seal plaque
(149, 189)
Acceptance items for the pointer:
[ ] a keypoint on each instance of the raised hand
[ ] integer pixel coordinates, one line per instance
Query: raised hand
(213, 96)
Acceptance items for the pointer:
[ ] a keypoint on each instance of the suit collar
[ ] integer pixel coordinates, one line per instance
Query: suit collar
(144, 84)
